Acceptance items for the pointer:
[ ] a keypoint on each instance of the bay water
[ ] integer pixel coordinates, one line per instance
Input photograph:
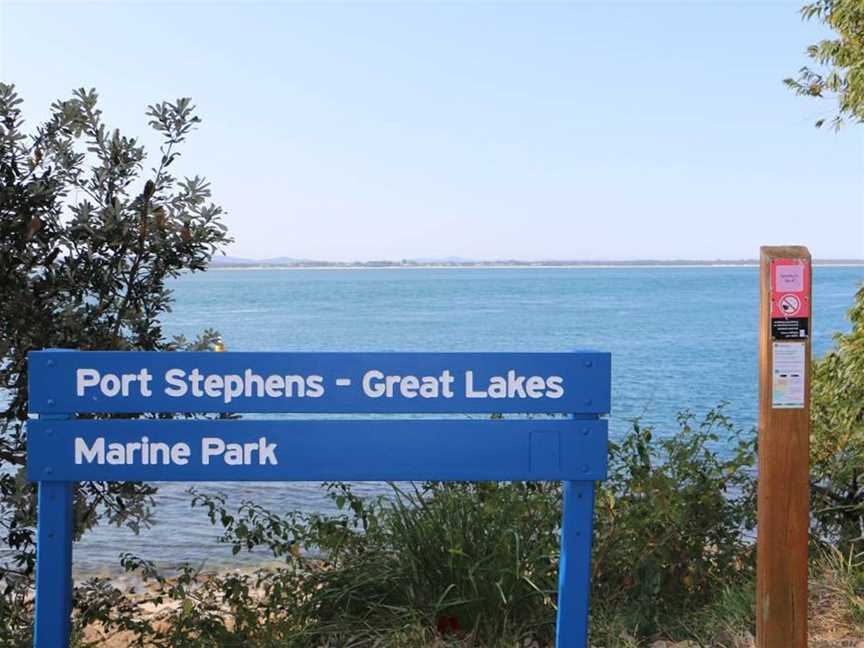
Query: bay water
(681, 338)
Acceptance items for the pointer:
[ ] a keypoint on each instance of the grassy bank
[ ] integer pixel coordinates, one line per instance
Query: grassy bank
(836, 620)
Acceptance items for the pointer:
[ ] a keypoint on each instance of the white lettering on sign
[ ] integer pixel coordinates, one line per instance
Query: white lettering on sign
(376, 384)
(179, 383)
(515, 386)
(146, 453)
(249, 385)
(238, 454)
(113, 384)
(123, 454)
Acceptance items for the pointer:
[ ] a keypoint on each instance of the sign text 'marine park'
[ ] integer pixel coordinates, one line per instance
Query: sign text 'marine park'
(64, 448)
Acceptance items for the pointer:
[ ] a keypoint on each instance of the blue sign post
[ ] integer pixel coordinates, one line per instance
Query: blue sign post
(63, 449)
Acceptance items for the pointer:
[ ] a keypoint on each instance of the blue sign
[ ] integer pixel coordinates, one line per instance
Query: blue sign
(63, 449)
(319, 450)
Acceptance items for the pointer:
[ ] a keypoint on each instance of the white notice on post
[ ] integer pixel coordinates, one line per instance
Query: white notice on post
(789, 375)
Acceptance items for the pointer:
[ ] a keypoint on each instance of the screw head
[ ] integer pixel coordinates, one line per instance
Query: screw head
(49, 471)
(586, 431)
(50, 363)
(50, 401)
(589, 363)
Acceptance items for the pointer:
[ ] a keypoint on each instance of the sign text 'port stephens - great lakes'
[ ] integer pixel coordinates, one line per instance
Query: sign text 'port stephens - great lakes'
(322, 382)
(374, 384)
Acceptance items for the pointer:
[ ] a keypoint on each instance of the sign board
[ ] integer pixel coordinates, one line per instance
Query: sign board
(317, 450)
(789, 373)
(63, 449)
(790, 299)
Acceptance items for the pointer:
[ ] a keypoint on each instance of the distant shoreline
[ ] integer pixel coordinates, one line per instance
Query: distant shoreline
(839, 263)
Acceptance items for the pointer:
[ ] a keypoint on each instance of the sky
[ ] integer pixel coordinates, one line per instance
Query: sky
(580, 130)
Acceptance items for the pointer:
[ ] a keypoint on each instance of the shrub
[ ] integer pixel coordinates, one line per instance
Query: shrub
(671, 521)
(88, 240)
(475, 563)
(837, 436)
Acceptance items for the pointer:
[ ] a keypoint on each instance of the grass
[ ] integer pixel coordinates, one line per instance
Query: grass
(837, 597)
(836, 612)
(836, 620)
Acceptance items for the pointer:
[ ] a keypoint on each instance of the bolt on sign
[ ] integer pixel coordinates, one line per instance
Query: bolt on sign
(63, 449)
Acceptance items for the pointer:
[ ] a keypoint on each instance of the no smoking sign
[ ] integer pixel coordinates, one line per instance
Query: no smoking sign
(790, 305)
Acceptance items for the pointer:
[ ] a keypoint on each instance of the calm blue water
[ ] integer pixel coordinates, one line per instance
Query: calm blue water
(681, 338)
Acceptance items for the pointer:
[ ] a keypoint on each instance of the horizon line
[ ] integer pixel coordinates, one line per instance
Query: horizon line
(455, 262)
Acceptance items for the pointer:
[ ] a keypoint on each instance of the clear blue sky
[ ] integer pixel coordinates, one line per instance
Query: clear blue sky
(574, 130)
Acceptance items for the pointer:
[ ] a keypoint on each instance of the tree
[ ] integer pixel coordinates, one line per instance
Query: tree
(88, 239)
(839, 62)
(837, 416)
(837, 438)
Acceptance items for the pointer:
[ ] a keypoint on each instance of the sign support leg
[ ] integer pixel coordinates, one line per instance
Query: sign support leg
(574, 569)
(54, 564)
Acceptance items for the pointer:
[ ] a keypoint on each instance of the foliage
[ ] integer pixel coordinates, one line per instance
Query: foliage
(16, 612)
(445, 559)
(837, 435)
(843, 576)
(474, 564)
(670, 522)
(88, 239)
(728, 621)
(839, 62)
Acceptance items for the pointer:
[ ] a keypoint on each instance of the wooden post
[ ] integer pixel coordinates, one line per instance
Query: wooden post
(784, 447)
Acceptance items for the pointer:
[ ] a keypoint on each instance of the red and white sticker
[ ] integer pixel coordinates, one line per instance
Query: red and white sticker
(790, 304)
(790, 284)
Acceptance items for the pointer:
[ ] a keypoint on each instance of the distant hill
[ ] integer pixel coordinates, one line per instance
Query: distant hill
(220, 260)
(449, 259)
(240, 261)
